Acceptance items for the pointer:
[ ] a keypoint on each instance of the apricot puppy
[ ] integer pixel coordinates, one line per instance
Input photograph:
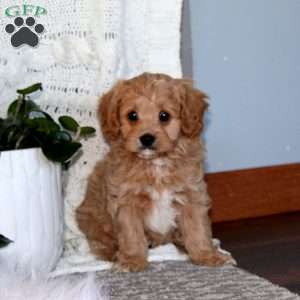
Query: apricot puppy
(149, 189)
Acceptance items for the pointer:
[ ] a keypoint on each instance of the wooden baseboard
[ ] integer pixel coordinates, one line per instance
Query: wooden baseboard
(254, 192)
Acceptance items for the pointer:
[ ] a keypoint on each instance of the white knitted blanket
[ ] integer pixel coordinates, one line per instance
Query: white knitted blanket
(87, 45)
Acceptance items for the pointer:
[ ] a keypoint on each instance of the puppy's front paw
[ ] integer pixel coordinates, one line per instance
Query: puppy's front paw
(213, 258)
(131, 264)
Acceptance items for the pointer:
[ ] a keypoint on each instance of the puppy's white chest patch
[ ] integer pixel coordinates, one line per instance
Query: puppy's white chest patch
(161, 218)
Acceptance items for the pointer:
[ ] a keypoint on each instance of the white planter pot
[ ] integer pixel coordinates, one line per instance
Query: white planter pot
(31, 210)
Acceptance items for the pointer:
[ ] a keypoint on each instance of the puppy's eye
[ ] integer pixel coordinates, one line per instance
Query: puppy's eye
(164, 116)
(133, 116)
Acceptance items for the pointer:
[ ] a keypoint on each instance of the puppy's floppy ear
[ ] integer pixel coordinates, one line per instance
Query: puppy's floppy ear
(193, 104)
(108, 114)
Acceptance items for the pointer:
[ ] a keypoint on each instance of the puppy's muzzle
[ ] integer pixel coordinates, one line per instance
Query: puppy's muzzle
(147, 140)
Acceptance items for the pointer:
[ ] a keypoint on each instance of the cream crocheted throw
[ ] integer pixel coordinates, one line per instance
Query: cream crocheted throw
(87, 46)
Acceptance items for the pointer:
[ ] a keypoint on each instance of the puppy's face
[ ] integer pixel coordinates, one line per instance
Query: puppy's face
(150, 121)
(150, 113)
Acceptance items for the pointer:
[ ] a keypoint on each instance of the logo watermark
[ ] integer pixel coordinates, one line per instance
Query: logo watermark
(25, 30)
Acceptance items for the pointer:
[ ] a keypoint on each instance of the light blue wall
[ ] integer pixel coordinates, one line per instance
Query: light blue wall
(246, 56)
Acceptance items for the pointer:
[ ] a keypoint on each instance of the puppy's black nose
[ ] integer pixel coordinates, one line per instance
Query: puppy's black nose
(147, 140)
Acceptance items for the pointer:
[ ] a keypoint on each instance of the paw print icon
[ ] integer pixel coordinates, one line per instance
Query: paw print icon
(24, 32)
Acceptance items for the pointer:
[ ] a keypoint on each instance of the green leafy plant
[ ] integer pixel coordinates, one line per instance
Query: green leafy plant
(28, 126)
(4, 241)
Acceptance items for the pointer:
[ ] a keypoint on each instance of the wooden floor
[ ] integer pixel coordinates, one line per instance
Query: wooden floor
(268, 247)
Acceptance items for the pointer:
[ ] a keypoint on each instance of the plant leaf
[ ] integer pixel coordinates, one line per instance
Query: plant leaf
(31, 89)
(17, 109)
(9, 134)
(61, 151)
(68, 123)
(43, 125)
(3, 125)
(31, 105)
(4, 241)
(62, 136)
(86, 130)
(25, 108)
(35, 114)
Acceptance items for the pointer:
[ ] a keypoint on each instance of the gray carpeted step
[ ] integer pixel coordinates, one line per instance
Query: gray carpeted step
(183, 280)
